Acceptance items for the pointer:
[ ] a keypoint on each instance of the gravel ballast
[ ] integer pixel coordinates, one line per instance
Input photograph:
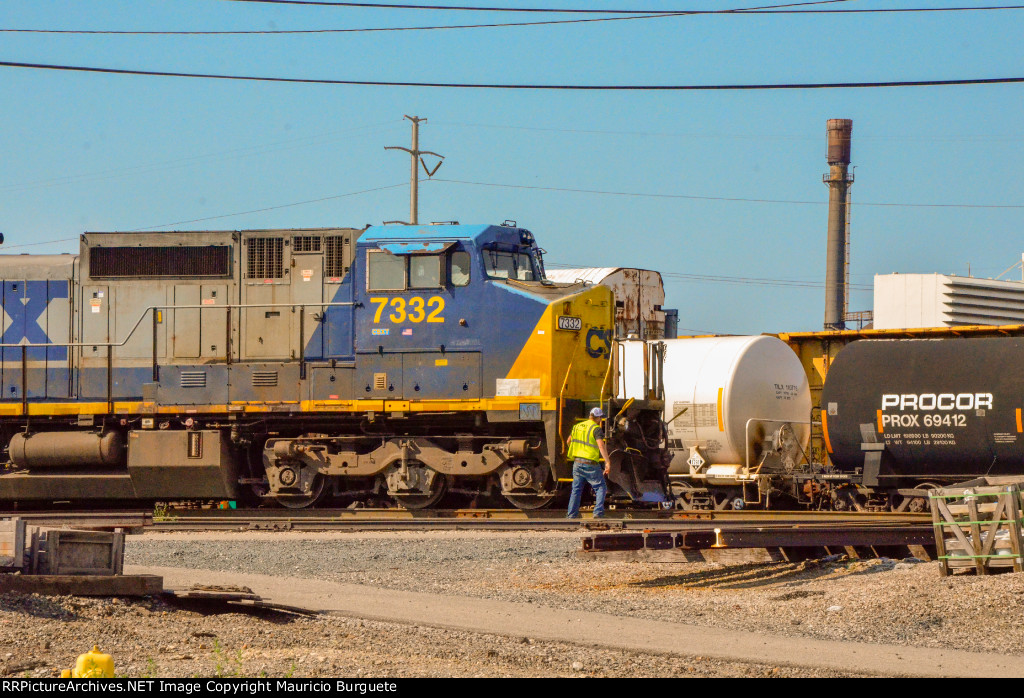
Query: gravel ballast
(871, 601)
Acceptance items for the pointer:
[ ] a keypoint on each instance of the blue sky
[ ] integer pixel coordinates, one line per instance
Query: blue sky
(106, 152)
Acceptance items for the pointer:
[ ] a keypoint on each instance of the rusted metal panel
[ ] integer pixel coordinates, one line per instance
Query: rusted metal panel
(639, 296)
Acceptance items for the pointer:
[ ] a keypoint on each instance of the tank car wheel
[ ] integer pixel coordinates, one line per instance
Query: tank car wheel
(723, 500)
(305, 500)
(920, 505)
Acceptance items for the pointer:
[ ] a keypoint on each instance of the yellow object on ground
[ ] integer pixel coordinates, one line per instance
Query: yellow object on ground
(91, 665)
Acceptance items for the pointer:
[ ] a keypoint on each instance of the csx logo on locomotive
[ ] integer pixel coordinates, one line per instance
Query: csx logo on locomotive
(599, 343)
(24, 304)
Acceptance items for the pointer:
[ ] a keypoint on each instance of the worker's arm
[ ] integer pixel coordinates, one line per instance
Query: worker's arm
(604, 454)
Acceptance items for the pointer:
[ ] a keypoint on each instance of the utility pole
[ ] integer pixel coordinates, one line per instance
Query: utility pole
(416, 154)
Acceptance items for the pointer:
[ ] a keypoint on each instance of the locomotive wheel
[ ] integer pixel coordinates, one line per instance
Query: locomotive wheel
(529, 502)
(424, 501)
(306, 500)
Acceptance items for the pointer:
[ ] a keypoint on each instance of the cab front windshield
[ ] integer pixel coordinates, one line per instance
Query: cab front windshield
(509, 263)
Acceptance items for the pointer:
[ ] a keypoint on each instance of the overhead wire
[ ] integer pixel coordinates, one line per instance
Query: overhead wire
(643, 15)
(715, 198)
(225, 215)
(653, 14)
(518, 86)
(546, 10)
(789, 8)
(219, 156)
(727, 279)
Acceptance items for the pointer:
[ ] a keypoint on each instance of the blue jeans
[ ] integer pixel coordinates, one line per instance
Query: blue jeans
(592, 473)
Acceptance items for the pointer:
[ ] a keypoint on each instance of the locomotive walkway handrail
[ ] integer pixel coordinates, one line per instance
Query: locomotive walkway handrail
(154, 308)
(227, 307)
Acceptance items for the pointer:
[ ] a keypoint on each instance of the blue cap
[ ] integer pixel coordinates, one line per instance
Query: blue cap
(597, 412)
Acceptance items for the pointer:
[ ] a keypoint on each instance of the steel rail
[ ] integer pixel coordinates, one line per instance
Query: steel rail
(511, 519)
(93, 520)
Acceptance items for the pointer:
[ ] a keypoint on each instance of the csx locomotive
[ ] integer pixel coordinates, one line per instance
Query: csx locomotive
(393, 363)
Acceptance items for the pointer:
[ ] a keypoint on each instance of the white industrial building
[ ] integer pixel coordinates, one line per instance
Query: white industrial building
(939, 300)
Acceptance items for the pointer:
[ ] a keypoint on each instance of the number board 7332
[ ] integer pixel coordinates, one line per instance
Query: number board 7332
(568, 322)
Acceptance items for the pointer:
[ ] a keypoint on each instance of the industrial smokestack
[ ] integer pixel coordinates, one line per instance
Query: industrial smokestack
(838, 180)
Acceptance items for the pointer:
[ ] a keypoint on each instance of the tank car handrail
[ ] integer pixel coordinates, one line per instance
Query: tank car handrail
(154, 308)
(746, 437)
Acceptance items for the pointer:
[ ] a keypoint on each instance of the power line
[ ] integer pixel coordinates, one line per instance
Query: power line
(967, 138)
(226, 215)
(339, 31)
(268, 208)
(742, 280)
(717, 198)
(220, 156)
(653, 15)
(520, 86)
(396, 6)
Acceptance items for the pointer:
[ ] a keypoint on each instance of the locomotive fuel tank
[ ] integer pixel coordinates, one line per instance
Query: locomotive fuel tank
(724, 396)
(926, 409)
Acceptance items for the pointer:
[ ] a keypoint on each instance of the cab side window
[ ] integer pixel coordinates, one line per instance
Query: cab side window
(385, 271)
(425, 271)
(460, 268)
(508, 264)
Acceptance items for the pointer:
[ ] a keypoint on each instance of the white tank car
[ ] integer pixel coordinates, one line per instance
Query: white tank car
(722, 382)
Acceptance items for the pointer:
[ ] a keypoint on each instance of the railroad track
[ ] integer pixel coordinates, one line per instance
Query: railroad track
(668, 535)
(509, 519)
(175, 519)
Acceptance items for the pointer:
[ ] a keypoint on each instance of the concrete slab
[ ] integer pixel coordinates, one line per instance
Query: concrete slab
(598, 629)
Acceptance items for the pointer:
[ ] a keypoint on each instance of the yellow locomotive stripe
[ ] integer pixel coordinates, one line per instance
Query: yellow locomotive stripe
(721, 423)
(1019, 428)
(824, 432)
(54, 409)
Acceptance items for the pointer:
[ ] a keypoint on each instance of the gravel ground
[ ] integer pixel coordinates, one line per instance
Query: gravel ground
(877, 601)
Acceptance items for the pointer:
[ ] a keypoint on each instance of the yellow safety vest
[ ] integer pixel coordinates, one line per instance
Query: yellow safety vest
(583, 441)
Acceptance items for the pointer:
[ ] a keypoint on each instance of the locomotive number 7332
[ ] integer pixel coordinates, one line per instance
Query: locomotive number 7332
(415, 309)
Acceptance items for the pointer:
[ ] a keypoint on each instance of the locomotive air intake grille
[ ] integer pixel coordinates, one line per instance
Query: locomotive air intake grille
(264, 379)
(265, 258)
(335, 248)
(306, 243)
(193, 379)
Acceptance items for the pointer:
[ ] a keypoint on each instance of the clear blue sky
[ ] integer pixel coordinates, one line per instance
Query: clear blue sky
(105, 152)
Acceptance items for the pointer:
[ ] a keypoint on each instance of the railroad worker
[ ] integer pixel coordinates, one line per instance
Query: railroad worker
(587, 450)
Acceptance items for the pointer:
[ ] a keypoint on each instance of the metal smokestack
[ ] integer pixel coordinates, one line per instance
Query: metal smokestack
(838, 180)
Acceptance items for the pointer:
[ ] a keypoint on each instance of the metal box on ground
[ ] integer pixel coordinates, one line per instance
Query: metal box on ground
(978, 524)
(68, 552)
